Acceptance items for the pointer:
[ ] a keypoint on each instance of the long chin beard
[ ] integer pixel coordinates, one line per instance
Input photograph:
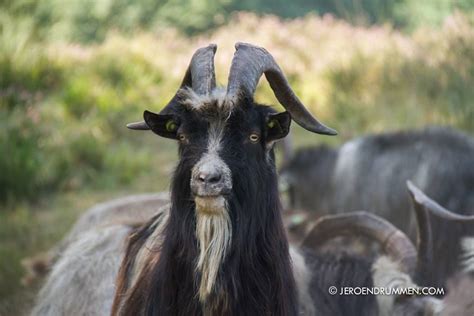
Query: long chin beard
(214, 235)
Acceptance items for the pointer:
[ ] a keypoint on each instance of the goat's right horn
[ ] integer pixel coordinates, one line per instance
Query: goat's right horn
(248, 65)
(200, 76)
(393, 241)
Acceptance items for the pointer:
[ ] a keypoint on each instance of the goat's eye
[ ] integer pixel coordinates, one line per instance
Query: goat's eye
(254, 137)
(171, 126)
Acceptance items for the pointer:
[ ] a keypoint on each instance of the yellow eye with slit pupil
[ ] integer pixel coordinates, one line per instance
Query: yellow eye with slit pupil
(254, 138)
(171, 126)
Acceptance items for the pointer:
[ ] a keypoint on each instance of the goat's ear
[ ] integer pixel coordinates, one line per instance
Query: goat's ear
(165, 125)
(277, 126)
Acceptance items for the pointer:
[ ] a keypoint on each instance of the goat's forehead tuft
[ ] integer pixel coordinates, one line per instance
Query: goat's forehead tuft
(216, 102)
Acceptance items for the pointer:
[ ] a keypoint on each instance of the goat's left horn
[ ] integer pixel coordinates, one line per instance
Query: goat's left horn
(393, 241)
(140, 126)
(200, 76)
(248, 65)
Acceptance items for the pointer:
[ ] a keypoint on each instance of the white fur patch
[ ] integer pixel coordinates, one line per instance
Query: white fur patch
(388, 274)
(467, 245)
(302, 278)
(217, 99)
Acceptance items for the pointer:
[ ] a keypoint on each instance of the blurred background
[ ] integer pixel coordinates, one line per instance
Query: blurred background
(73, 73)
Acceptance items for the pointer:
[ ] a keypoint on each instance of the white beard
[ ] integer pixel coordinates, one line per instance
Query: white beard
(214, 234)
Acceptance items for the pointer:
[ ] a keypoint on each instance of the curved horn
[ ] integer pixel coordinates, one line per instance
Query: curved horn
(200, 76)
(438, 228)
(422, 200)
(248, 65)
(393, 241)
(139, 126)
(424, 235)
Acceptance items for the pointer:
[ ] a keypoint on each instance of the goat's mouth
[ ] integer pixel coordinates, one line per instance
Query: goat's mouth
(210, 204)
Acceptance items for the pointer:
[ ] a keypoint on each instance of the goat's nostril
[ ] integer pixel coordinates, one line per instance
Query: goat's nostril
(211, 178)
(214, 178)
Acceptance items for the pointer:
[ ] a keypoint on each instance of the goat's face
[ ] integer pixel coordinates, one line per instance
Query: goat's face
(225, 149)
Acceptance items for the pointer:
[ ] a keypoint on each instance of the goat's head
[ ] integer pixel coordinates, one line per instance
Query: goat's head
(226, 169)
(225, 138)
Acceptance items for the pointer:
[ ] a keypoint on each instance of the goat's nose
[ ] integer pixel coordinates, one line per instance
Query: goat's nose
(210, 177)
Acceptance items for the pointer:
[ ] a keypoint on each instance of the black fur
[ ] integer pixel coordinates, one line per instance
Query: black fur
(341, 270)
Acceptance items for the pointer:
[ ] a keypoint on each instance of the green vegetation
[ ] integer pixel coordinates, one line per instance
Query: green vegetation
(90, 21)
(72, 76)
(64, 106)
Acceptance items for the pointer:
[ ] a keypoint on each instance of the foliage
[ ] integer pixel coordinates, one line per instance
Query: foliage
(90, 21)
(64, 107)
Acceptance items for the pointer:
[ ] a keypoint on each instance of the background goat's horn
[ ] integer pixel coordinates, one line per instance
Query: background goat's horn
(248, 65)
(420, 198)
(393, 241)
(425, 235)
(200, 76)
(437, 228)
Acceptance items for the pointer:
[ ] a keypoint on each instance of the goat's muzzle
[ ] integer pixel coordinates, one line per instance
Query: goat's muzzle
(210, 183)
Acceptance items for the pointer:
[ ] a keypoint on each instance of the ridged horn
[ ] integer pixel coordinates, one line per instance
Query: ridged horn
(248, 65)
(200, 76)
(393, 241)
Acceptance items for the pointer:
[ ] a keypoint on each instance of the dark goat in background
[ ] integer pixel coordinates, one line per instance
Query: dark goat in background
(369, 173)
(431, 264)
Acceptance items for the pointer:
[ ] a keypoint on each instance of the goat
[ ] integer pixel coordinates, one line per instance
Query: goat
(369, 173)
